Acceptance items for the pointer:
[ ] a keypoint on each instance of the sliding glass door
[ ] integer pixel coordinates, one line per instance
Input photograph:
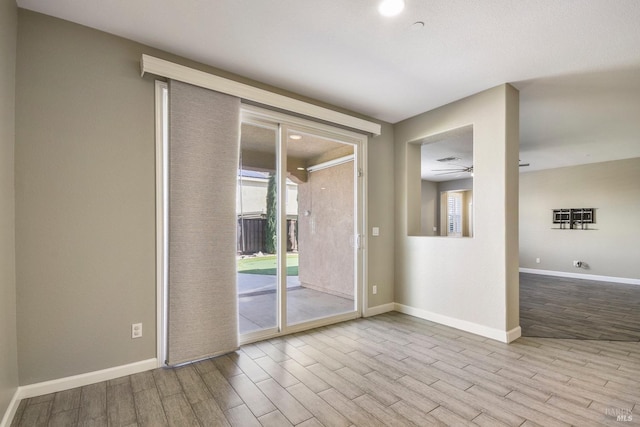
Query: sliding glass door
(299, 216)
(257, 211)
(326, 227)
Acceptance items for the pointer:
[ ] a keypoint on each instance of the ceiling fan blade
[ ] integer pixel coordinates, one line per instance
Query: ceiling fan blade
(447, 173)
(460, 168)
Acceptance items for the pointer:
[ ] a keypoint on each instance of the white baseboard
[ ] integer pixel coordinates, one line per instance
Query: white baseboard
(11, 410)
(474, 328)
(61, 384)
(378, 309)
(584, 276)
(513, 334)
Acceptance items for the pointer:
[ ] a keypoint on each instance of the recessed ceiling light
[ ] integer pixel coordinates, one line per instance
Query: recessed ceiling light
(295, 137)
(391, 7)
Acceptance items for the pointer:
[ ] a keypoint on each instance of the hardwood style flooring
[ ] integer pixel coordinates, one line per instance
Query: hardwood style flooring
(556, 307)
(391, 369)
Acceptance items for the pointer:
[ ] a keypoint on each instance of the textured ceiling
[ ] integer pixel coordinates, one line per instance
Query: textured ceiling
(576, 63)
(456, 145)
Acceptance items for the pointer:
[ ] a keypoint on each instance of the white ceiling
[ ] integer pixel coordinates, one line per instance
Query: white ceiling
(575, 62)
(456, 145)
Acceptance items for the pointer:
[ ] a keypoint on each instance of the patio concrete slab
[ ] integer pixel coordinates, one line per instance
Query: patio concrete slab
(258, 311)
(257, 283)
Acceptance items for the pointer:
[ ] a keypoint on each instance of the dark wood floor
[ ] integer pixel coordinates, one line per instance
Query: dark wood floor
(391, 369)
(557, 307)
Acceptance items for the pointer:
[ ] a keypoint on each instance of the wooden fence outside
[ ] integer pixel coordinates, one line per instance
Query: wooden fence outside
(252, 237)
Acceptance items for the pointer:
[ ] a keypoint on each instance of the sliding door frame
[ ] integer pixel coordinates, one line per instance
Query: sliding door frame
(277, 128)
(254, 114)
(162, 211)
(251, 113)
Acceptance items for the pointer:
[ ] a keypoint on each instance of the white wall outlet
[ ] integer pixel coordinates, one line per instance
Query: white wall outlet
(374, 289)
(136, 330)
(537, 260)
(375, 231)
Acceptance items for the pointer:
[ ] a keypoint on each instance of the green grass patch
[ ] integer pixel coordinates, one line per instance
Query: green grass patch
(267, 265)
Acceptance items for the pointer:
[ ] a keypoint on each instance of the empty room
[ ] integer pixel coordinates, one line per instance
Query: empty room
(330, 213)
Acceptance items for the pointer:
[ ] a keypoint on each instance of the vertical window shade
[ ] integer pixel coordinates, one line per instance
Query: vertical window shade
(203, 160)
(454, 214)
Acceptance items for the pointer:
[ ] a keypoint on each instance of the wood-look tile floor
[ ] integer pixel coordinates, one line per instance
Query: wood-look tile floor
(391, 369)
(557, 307)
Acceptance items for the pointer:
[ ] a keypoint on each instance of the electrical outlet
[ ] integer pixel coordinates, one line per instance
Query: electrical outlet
(136, 330)
(375, 289)
(537, 260)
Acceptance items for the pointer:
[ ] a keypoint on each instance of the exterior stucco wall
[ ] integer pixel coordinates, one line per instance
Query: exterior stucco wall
(325, 236)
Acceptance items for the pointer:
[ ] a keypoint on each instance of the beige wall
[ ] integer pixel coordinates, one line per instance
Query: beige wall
(429, 197)
(380, 213)
(85, 199)
(85, 208)
(8, 343)
(611, 249)
(432, 274)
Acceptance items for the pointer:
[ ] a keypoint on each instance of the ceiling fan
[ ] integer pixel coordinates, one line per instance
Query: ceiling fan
(458, 169)
(468, 169)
